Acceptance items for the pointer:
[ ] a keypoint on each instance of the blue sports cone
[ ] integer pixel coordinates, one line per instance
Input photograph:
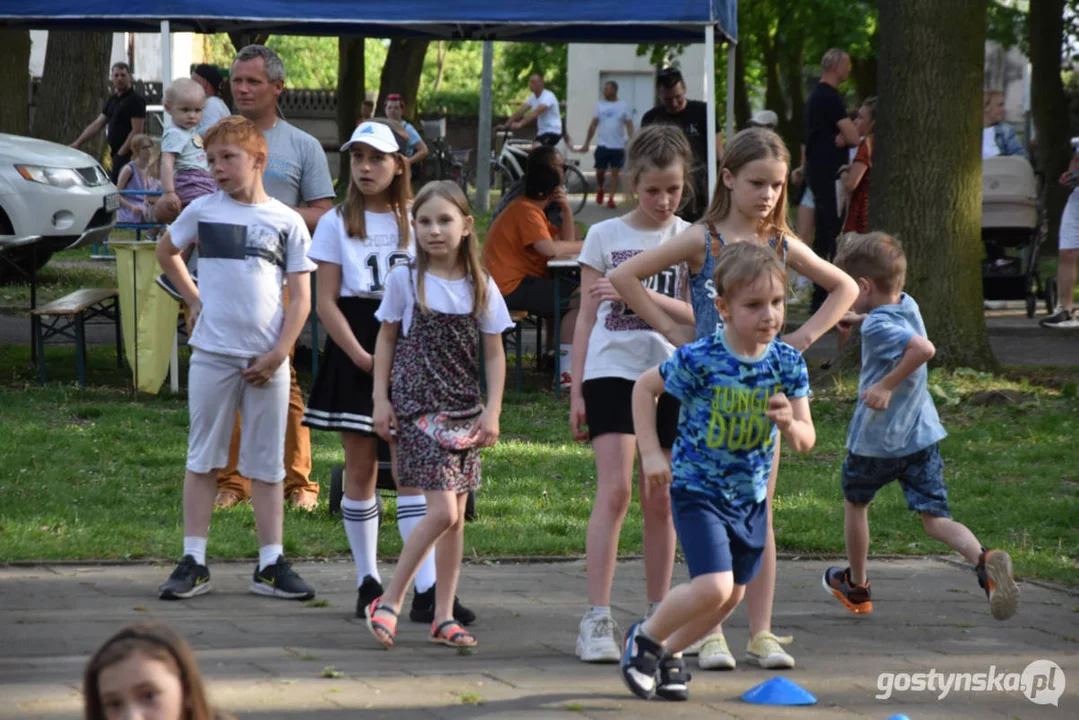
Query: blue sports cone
(779, 691)
(899, 717)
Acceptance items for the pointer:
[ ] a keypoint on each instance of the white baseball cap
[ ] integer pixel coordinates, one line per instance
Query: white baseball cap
(375, 134)
(765, 118)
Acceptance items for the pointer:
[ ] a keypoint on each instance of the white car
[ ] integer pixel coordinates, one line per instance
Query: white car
(52, 192)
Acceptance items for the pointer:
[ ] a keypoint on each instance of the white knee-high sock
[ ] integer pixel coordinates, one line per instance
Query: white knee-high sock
(411, 509)
(361, 526)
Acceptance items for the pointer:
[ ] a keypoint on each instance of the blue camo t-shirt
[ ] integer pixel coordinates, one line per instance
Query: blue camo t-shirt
(910, 423)
(725, 443)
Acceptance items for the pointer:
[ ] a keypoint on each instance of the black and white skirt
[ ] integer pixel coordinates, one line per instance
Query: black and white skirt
(341, 399)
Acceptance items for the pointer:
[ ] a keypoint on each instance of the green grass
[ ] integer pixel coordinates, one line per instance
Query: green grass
(96, 473)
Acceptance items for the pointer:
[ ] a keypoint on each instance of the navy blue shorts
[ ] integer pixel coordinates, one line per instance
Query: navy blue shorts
(920, 474)
(548, 138)
(718, 537)
(609, 158)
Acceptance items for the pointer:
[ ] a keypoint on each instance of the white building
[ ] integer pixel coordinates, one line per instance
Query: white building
(141, 50)
(589, 66)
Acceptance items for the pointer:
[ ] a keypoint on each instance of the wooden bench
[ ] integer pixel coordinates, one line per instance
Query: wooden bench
(68, 318)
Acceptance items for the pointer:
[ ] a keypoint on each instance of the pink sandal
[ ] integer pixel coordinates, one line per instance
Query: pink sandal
(444, 635)
(383, 628)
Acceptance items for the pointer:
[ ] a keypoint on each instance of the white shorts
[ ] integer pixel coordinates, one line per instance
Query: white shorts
(1069, 223)
(216, 390)
(807, 199)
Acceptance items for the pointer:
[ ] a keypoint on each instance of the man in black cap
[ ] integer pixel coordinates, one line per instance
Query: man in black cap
(210, 79)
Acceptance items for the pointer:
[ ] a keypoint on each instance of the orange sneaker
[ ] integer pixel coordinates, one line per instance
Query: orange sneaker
(856, 598)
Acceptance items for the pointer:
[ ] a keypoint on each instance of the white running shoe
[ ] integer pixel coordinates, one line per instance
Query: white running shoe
(595, 640)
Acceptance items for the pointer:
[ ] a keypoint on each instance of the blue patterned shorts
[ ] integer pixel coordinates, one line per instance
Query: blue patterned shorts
(920, 474)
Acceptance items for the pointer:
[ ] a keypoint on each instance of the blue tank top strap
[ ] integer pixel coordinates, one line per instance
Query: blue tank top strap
(784, 246)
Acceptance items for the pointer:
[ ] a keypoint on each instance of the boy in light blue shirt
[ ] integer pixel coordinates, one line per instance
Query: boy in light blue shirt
(895, 433)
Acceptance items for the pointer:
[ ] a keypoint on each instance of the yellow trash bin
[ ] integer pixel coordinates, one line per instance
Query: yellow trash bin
(148, 314)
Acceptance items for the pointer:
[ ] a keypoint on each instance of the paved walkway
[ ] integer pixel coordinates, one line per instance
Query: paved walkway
(265, 658)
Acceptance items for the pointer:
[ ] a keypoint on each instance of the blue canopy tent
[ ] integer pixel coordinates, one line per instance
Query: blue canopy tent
(597, 21)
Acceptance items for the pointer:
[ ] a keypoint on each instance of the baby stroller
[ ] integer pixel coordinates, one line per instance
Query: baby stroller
(1013, 218)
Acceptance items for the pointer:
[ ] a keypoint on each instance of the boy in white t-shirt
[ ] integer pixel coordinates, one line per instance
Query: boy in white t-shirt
(614, 119)
(241, 337)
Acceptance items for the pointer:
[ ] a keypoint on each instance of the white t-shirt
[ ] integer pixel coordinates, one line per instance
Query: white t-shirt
(244, 253)
(450, 297)
(550, 120)
(215, 110)
(365, 264)
(989, 142)
(612, 115)
(187, 144)
(623, 345)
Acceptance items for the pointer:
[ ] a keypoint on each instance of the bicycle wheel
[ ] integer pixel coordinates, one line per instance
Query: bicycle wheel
(500, 181)
(576, 188)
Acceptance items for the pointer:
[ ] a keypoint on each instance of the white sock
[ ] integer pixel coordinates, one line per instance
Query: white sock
(411, 510)
(268, 555)
(196, 548)
(361, 526)
(599, 610)
(565, 359)
(651, 610)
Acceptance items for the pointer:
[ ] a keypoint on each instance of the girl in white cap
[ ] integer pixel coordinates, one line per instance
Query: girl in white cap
(355, 248)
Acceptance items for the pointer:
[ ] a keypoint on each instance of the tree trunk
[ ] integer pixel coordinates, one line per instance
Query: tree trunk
(401, 74)
(1049, 105)
(927, 185)
(73, 87)
(793, 129)
(741, 93)
(351, 81)
(864, 73)
(443, 50)
(15, 81)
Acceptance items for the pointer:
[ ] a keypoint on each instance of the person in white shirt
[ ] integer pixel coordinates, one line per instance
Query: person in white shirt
(211, 80)
(614, 119)
(542, 108)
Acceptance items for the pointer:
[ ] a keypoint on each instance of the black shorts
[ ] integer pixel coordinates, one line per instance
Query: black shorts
(535, 295)
(341, 397)
(608, 408)
(613, 158)
(548, 138)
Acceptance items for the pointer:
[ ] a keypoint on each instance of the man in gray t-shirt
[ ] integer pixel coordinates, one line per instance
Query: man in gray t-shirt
(298, 175)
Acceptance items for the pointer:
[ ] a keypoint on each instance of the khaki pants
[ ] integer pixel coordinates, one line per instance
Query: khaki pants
(297, 447)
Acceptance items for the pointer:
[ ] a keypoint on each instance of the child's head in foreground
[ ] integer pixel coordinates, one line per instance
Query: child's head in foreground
(148, 672)
(876, 262)
(236, 152)
(751, 284)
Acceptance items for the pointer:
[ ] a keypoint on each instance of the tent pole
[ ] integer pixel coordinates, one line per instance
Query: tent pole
(731, 71)
(166, 58)
(710, 95)
(483, 141)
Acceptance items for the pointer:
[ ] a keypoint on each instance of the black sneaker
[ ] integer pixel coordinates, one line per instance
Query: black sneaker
(639, 666)
(856, 598)
(1061, 318)
(994, 571)
(187, 580)
(280, 581)
(673, 681)
(423, 608)
(368, 591)
(165, 284)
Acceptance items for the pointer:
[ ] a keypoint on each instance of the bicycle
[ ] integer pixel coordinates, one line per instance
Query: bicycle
(445, 163)
(508, 166)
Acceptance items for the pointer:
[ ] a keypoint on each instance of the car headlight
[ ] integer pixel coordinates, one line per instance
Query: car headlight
(57, 177)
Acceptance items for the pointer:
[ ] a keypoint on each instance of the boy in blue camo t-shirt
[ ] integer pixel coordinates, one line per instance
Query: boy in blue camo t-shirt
(895, 433)
(739, 389)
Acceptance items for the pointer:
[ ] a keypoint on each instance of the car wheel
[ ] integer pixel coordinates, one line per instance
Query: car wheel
(17, 264)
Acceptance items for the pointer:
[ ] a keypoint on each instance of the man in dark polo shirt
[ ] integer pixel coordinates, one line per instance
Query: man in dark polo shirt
(829, 131)
(125, 115)
(692, 117)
